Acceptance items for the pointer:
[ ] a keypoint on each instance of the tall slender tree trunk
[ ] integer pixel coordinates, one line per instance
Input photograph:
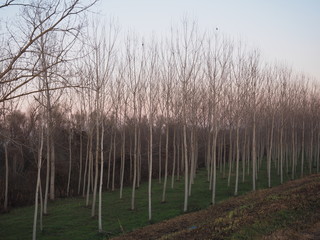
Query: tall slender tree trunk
(134, 167)
(50, 150)
(36, 205)
(214, 164)
(254, 155)
(237, 158)
(109, 161)
(101, 180)
(208, 158)
(130, 158)
(281, 152)
(302, 148)
(123, 155)
(96, 172)
(318, 153)
(80, 160)
(139, 158)
(230, 156)
(70, 162)
(311, 151)
(113, 162)
(150, 170)
(52, 169)
(244, 156)
(47, 172)
(174, 158)
(249, 155)
(186, 168)
(160, 155)
(5, 206)
(178, 157)
(293, 151)
(192, 150)
(89, 168)
(92, 171)
(224, 156)
(41, 206)
(166, 164)
(270, 152)
(86, 168)
(50, 178)
(220, 164)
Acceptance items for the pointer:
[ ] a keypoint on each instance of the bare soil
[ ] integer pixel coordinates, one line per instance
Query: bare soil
(289, 211)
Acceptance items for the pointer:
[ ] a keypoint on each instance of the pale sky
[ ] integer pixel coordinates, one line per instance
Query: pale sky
(284, 30)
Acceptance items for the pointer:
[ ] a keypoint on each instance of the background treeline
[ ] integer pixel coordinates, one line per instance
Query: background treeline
(110, 111)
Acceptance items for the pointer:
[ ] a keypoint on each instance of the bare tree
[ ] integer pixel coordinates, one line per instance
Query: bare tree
(187, 52)
(152, 88)
(38, 19)
(38, 184)
(253, 70)
(168, 77)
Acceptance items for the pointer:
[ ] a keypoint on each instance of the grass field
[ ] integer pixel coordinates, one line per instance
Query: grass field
(289, 211)
(70, 219)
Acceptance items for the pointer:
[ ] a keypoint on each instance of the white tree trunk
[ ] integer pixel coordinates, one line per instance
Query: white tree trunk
(311, 150)
(80, 160)
(34, 230)
(244, 156)
(237, 159)
(174, 158)
(166, 165)
(270, 152)
(150, 171)
(101, 180)
(113, 162)
(214, 165)
(302, 149)
(293, 152)
(70, 163)
(254, 155)
(281, 153)
(318, 152)
(186, 169)
(85, 169)
(52, 170)
(89, 169)
(47, 172)
(5, 207)
(94, 197)
(230, 156)
(134, 167)
(123, 155)
(160, 163)
(109, 161)
(192, 152)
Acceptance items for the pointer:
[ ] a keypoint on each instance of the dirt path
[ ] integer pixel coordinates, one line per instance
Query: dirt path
(291, 210)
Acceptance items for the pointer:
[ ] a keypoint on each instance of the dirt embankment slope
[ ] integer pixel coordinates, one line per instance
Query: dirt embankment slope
(289, 211)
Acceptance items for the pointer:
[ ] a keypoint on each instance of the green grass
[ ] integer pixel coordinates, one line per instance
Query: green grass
(260, 228)
(70, 219)
(278, 220)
